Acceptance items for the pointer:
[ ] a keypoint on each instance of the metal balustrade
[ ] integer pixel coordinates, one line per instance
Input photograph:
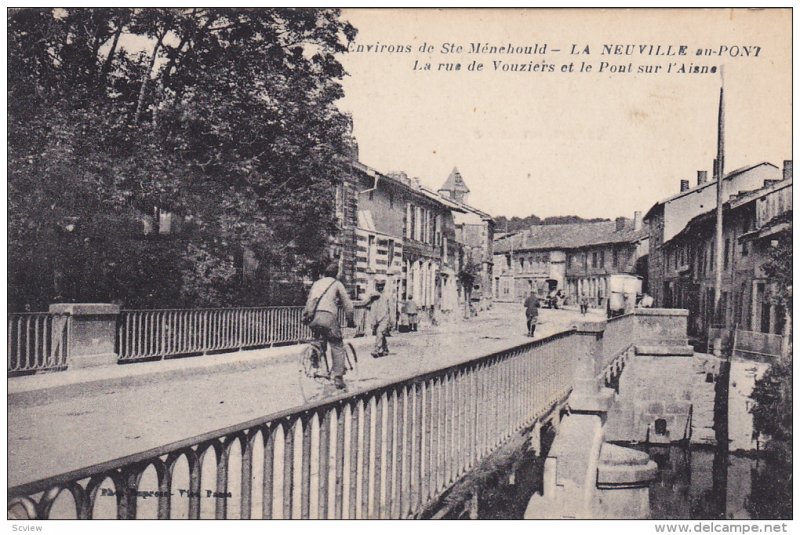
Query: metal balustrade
(386, 452)
(37, 341)
(143, 334)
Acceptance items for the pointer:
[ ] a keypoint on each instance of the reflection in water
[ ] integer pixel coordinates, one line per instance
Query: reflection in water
(700, 483)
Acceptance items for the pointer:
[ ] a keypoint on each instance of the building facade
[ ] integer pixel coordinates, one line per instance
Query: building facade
(668, 217)
(577, 259)
(475, 232)
(406, 237)
(751, 220)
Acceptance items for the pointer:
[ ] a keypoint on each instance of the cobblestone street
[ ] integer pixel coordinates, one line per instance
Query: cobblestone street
(52, 435)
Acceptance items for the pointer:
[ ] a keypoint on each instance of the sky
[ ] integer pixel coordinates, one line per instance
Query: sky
(593, 144)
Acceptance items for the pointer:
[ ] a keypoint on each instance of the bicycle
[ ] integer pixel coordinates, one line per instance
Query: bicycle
(315, 368)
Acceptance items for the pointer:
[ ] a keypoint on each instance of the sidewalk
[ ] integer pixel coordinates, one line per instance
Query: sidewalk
(57, 425)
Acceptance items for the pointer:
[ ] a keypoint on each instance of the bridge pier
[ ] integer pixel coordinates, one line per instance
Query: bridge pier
(583, 476)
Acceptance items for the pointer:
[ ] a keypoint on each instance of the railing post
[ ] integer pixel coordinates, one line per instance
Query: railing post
(588, 394)
(92, 333)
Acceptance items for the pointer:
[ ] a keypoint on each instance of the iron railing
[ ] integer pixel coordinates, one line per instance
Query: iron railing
(37, 341)
(144, 334)
(386, 452)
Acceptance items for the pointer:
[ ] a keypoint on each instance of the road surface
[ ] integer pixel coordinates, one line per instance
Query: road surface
(53, 436)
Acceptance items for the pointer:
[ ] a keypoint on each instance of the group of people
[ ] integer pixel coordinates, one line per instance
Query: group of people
(380, 317)
(328, 296)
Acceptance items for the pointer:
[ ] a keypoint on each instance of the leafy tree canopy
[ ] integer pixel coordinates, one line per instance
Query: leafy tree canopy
(224, 118)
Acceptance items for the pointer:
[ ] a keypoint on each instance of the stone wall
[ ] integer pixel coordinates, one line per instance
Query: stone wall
(664, 382)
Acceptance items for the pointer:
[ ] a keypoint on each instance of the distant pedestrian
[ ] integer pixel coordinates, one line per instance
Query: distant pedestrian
(584, 304)
(380, 313)
(411, 312)
(531, 312)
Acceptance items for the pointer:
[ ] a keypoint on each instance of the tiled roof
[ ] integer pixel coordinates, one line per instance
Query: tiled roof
(734, 202)
(455, 182)
(728, 176)
(569, 236)
(409, 185)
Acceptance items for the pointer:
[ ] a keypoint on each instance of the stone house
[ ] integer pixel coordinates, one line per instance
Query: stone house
(577, 258)
(405, 236)
(475, 232)
(751, 220)
(669, 216)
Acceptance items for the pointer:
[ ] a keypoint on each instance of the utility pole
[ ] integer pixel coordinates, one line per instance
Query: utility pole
(718, 249)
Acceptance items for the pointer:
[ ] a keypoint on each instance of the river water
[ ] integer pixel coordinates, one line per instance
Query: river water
(692, 484)
(699, 483)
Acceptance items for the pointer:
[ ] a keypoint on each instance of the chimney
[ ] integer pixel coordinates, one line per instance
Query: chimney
(787, 169)
(620, 223)
(684, 185)
(702, 177)
(637, 220)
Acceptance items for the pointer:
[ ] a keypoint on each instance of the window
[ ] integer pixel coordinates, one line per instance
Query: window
(409, 220)
(391, 200)
(390, 254)
(594, 260)
(370, 245)
(602, 258)
(727, 253)
(615, 257)
(372, 195)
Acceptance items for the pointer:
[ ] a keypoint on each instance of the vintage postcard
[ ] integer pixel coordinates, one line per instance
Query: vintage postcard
(317, 263)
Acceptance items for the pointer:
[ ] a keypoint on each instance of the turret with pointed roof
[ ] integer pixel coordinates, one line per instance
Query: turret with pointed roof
(454, 187)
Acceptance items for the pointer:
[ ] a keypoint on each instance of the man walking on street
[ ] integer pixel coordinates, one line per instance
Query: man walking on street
(380, 312)
(584, 304)
(326, 297)
(531, 312)
(410, 310)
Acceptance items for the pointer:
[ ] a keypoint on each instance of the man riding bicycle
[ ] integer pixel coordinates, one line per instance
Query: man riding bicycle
(326, 297)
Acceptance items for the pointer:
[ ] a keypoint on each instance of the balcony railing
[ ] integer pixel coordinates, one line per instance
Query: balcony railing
(37, 342)
(381, 453)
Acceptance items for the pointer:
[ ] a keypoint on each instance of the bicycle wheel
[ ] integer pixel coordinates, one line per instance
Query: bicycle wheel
(313, 371)
(350, 362)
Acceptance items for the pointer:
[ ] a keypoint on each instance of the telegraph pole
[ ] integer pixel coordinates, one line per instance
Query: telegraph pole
(718, 249)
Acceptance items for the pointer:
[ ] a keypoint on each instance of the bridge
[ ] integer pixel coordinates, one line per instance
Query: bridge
(395, 448)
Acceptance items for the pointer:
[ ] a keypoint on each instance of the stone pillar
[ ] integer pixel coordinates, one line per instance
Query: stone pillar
(92, 333)
(589, 396)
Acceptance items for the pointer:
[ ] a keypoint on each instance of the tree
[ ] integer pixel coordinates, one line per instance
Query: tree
(515, 224)
(771, 495)
(226, 119)
(470, 271)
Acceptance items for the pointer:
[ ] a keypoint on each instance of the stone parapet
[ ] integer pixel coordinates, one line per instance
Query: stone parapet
(92, 333)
